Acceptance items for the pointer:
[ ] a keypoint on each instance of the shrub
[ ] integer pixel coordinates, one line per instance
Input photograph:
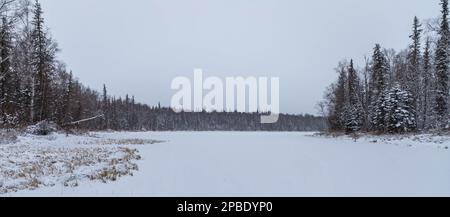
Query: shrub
(42, 128)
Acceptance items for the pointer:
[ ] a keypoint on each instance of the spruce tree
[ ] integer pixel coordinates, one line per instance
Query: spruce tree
(427, 77)
(379, 82)
(42, 66)
(412, 83)
(442, 70)
(353, 108)
(22, 64)
(8, 78)
(400, 117)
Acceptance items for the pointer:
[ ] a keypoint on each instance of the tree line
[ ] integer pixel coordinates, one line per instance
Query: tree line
(36, 87)
(395, 92)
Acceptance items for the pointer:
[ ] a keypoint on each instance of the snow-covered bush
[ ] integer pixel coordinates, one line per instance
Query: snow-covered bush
(400, 113)
(8, 121)
(354, 118)
(7, 137)
(42, 128)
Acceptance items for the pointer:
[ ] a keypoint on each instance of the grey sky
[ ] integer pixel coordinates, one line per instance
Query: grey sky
(139, 46)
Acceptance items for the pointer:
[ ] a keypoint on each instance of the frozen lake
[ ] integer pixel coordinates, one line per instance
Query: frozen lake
(272, 164)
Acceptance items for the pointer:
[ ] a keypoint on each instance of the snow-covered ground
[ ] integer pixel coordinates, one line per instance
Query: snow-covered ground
(248, 164)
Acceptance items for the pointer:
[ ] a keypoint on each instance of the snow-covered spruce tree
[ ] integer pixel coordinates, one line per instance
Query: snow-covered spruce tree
(442, 69)
(378, 85)
(22, 64)
(353, 108)
(9, 90)
(43, 55)
(414, 75)
(400, 117)
(427, 78)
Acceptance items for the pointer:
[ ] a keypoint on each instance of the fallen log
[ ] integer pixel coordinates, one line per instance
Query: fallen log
(83, 120)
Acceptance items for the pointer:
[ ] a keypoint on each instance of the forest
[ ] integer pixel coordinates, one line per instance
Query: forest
(36, 87)
(396, 92)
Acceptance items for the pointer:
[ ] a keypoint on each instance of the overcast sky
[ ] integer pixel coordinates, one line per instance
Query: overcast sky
(139, 46)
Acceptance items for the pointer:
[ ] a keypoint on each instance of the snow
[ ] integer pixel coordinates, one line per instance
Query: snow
(32, 162)
(264, 164)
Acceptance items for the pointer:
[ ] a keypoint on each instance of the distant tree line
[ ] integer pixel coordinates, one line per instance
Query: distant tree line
(126, 114)
(395, 92)
(35, 86)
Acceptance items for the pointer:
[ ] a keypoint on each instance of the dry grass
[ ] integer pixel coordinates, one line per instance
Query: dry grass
(26, 167)
(8, 137)
(120, 142)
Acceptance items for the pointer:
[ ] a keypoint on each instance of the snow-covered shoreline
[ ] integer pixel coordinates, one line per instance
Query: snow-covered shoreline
(254, 164)
(431, 140)
(31, 162)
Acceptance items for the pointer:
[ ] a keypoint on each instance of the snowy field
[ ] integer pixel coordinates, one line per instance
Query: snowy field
(226, 164)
